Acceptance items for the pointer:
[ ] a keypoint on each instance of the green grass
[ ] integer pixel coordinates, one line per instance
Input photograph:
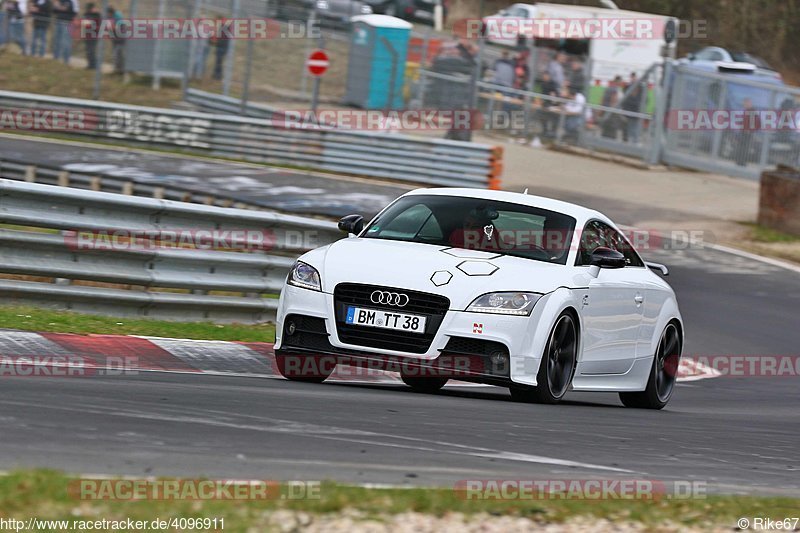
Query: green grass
(37, 319)
(45, 494)
(768, 235)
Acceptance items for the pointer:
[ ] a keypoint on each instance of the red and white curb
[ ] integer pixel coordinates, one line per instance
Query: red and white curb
(123, 353)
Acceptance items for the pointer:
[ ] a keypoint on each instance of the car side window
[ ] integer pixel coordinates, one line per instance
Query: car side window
(597, 234)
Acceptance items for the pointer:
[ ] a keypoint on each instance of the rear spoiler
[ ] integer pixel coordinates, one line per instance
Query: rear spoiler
(735, 66)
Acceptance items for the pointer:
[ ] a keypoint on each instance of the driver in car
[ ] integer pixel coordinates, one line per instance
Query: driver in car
(476, 231)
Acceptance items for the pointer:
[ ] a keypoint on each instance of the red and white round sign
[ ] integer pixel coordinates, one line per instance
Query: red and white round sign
(317, 62)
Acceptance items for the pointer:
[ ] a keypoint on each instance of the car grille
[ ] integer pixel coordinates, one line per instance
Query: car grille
(431, 306)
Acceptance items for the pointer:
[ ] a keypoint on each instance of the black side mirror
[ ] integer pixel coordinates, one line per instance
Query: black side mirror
(607, 258)
(351, 224)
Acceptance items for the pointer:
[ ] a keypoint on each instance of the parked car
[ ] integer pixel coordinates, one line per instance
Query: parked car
(328, 12)
(419, 10)
(730, 60)
(339, 12)
(509, 289)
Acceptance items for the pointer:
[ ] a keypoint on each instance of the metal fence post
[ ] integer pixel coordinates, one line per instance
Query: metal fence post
(98, 74)
(157, 50)
(188, 72)
(766, 142)
(716, 143)
(247, 71)
(230, 55)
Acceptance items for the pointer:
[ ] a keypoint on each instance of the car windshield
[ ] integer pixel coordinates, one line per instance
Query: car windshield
(477, 224)
(744, 57)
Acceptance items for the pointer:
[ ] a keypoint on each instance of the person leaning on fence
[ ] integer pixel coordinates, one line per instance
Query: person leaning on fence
(42, 12)
(117, 40)
(220, 41)
(15, 11)
(64, 12)
(91, 24)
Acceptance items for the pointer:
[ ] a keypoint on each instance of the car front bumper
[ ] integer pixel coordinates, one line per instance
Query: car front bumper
(469, 346)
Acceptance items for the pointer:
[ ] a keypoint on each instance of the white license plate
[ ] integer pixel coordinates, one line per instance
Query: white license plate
(422, 14)
(360, 316)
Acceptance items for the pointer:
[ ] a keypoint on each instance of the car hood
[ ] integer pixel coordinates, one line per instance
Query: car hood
(460, 275)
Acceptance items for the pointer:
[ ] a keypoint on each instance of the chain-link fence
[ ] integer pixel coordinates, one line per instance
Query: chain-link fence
(731, 124)
(271, 69)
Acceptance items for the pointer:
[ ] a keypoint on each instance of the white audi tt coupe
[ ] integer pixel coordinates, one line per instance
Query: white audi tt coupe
(537, 295)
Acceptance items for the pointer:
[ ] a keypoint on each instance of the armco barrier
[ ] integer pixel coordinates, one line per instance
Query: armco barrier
(47, 268)
(371, 154)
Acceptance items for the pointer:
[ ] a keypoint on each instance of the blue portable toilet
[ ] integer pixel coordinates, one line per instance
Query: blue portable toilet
(377, 43)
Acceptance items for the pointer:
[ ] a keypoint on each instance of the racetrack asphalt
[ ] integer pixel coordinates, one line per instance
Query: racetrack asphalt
(290, 191)
(734, 434)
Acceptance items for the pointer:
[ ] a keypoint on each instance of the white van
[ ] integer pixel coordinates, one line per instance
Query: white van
(616, 41)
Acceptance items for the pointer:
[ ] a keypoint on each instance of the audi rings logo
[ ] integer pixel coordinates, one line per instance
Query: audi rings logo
(389, 298)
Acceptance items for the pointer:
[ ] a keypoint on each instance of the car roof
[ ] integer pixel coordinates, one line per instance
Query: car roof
(580, 213)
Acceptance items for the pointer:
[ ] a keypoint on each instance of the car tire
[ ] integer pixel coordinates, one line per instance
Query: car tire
(663, 373)
(424, 384)
(558, 364)
(307, 371)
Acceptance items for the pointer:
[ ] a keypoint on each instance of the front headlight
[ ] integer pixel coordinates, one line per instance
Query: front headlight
(505, 303)
(305, 276)
(366, 10)
(322, 5)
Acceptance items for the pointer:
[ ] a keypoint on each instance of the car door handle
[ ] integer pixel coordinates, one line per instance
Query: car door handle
(638, 299)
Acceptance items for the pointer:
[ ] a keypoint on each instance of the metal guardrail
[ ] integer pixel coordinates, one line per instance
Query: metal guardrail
(388, 156)
(49, 267)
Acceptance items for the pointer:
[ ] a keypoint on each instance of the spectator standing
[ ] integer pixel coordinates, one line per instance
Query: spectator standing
(574, 110)
(91, 21)
(612, 92)
(42, 12)
(548, 118)
(633, 102)
(577, 78)
(15, 12)
(64, 12)
(117, 41)
(521, 70)
(611, 123)
(503, 71)
(556, 69)
(220, 41)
